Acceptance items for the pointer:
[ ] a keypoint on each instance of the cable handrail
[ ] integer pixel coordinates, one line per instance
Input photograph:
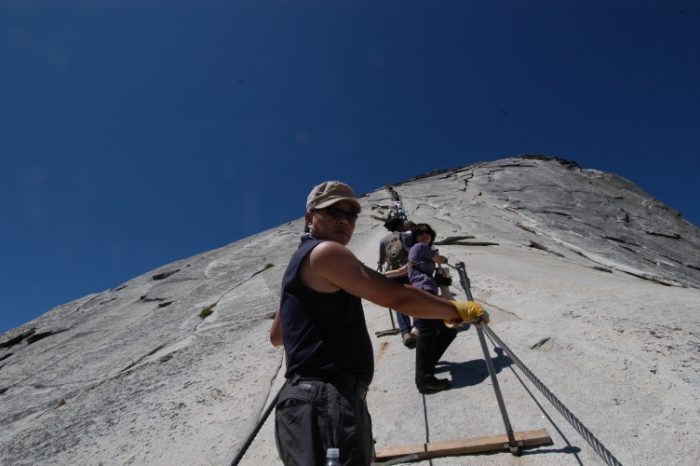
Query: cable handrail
(568, 415)
(596, 444)
(599, 448)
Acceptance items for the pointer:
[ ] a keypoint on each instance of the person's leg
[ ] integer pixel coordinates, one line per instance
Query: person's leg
(404, 323)
(352, 427)
(425, 350)
(403, 319)
(313, 416)
(442, 342)
(297, 433)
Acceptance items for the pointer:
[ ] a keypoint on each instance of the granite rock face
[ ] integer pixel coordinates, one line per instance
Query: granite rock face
(593, 283)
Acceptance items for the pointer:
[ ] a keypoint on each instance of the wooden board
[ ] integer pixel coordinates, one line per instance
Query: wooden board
(530, 438)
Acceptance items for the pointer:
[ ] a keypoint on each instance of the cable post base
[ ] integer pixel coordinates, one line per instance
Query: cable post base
(516, 449)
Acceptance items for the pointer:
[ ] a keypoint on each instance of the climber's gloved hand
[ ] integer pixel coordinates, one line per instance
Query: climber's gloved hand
(468, 311)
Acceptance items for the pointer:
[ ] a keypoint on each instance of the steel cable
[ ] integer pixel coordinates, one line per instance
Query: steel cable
(251, 437)
(599, 448)
(578, 425)
(568, 415)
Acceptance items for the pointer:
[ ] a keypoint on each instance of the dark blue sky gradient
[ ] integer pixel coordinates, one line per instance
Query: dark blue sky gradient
(137, 133)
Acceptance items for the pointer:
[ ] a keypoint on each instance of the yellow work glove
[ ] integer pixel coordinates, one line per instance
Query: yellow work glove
(468, 310)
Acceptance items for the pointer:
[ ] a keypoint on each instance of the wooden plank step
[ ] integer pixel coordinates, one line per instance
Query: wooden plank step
(530, 438)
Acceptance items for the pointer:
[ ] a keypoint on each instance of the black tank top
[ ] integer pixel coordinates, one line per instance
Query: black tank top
(323, 331)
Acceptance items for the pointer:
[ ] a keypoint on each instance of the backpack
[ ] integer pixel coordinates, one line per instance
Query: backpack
(396, 255)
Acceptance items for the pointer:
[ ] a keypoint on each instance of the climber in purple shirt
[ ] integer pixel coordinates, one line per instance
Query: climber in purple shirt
(433, 336)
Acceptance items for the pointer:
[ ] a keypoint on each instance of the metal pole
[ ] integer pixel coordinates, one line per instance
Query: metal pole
(512, 444)
(391, 314)
(568, 415)
(464, 279)
(599, 448)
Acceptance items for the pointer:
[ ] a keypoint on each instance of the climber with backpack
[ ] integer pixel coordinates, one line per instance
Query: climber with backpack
(393, 250)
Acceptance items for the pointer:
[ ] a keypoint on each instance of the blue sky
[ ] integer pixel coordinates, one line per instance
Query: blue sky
(137, 133)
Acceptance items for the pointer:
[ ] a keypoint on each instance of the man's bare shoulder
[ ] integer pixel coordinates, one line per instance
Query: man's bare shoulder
(330, 251)
(329, 246)
(326, 266)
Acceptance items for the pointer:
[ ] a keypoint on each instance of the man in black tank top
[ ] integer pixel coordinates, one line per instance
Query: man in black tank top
(327, 347)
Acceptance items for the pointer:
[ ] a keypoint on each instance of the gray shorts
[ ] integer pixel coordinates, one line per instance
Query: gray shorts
(312, 416)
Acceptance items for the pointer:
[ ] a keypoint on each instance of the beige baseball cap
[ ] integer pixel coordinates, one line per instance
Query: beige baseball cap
(329, 193)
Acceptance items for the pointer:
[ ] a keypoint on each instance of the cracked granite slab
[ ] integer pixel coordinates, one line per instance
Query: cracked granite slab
(590, 281)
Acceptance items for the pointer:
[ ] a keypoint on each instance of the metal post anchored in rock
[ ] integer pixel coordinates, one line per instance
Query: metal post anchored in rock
(513, 445)
(393, 330)
(568, 415)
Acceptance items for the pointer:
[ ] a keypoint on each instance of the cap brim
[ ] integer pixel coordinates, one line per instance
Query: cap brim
(330, 202)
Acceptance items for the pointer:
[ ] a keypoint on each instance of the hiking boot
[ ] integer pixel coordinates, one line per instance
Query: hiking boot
(409, 339)
(414, 331)
(432, 385)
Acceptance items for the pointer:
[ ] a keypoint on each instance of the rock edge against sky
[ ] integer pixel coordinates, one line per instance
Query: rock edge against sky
(593, 283)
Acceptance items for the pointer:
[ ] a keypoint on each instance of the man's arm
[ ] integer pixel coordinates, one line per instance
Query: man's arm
(276, 330)
(330, 266)
(438, 259)
(400, 272)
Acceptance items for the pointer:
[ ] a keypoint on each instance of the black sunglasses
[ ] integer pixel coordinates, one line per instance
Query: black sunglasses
(422, 232)
(337, 212)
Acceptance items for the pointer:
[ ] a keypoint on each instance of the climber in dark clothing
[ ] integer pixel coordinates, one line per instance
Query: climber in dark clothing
(398, 238)
(328, 351)
(433, 336)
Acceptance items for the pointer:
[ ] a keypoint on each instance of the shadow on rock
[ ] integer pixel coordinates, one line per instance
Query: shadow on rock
(568, 450)
(470, 373)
